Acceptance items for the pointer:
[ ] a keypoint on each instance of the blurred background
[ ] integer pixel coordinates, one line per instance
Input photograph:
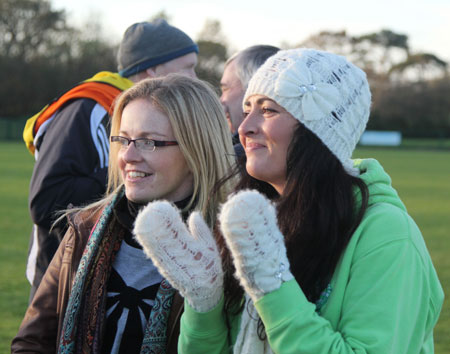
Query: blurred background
(47, 46)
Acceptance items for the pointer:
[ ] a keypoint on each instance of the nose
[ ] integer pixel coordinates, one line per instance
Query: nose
(249, 125)
(130, 153)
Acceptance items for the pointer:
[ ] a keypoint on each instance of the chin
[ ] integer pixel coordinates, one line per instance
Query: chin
(254, 173)
(137, 197)
(254, 170)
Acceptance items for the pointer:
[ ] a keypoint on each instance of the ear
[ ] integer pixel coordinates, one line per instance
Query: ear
(151, 72)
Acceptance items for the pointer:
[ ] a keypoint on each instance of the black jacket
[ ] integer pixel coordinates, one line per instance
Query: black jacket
(71, 168)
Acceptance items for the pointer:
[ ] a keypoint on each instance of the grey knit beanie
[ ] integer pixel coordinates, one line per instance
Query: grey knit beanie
(324, 91)
(147, 44)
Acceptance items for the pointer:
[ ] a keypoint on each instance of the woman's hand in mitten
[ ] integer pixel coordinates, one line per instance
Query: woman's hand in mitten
(190, 261)
(249, 225)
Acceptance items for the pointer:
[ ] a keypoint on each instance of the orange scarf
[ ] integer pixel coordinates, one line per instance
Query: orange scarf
(102, 88)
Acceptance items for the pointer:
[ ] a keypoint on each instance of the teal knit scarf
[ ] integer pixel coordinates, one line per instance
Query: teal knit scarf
(84, 318)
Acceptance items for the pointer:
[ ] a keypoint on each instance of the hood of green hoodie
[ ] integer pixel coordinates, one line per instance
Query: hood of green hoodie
(378, 182)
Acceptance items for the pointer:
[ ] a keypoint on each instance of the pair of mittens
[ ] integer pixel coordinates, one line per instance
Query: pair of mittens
(189, 258)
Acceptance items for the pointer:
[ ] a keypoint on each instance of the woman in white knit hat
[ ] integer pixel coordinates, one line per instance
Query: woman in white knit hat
(319, 254)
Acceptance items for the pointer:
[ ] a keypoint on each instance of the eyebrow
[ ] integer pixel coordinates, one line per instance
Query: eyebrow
(144, 134)
(259, 101)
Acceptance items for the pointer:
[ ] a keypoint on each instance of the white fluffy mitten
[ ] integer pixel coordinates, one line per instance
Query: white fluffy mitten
(249, 225)
(191, 263)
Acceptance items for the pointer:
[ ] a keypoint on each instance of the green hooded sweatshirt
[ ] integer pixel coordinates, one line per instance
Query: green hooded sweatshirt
(384, 297)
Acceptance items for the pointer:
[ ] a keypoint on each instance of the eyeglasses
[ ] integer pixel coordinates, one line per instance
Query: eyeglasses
(142, 144)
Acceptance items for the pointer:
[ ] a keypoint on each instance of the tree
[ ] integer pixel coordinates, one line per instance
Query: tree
(30, 28)
(161, 15)
(336, 42)
(419, 109)
(376, 53)
(41, 56)
(419, 67)
(212, 52)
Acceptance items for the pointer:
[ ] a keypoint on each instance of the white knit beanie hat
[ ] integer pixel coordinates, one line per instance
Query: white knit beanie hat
(324, 91)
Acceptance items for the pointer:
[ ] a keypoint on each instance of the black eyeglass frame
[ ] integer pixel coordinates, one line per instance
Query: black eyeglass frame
(142, 144)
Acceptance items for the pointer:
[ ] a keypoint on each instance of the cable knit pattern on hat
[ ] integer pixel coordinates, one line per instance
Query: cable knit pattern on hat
(324, 91)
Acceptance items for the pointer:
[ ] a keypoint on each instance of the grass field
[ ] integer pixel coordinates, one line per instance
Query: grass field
(15, 226)
(422, 178)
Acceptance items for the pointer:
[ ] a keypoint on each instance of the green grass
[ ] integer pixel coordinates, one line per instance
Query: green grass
(15, 227)
(420, 176)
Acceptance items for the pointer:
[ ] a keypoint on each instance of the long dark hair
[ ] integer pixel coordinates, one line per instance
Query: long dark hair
(317, 214)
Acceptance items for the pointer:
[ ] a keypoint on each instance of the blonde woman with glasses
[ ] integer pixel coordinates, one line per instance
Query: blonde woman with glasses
(169, 141)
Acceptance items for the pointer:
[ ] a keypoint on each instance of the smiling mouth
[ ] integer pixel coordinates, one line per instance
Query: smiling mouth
(252, 145)
(136, 174)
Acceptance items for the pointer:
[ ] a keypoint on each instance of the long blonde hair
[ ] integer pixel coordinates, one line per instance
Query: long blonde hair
(199, 126)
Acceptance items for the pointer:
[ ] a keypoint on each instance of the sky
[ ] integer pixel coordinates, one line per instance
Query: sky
(249, 22)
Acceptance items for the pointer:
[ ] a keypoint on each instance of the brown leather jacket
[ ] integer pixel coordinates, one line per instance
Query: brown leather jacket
(41, 327)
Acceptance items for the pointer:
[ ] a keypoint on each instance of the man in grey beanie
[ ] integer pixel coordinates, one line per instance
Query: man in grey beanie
(156, 49)
(70, 137)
